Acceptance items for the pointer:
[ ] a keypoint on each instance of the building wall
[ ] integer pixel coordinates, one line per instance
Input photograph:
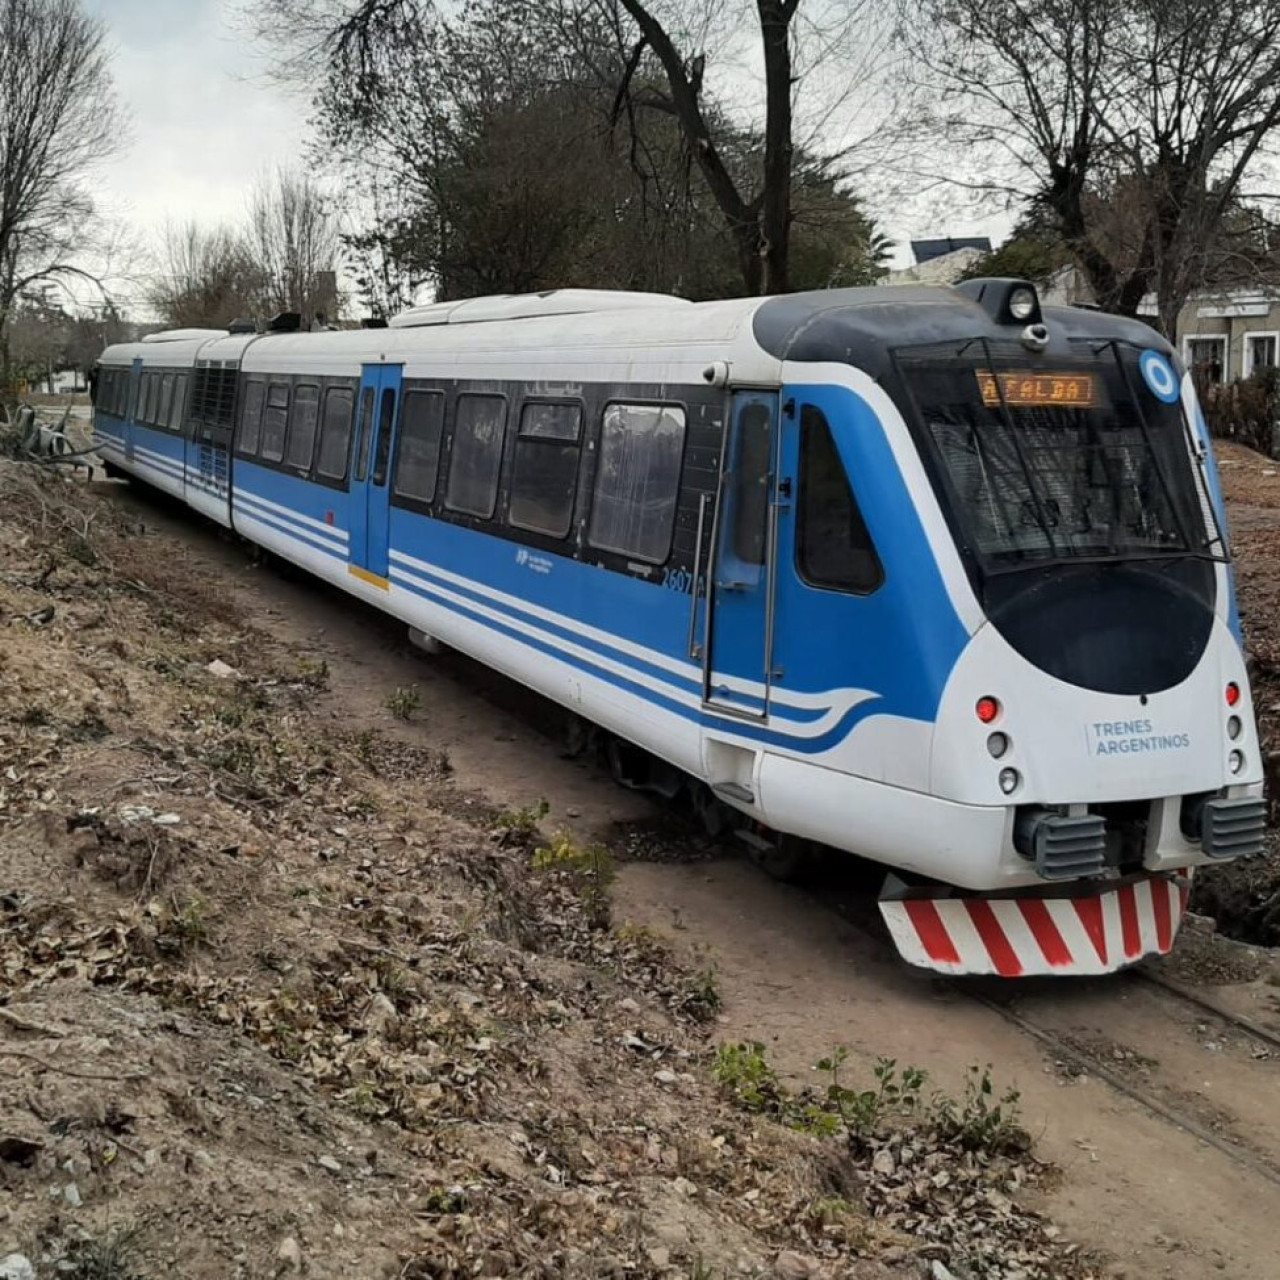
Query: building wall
(1233, 322)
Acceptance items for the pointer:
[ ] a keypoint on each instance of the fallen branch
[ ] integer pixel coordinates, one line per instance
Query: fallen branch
(68, 1071)
(25, 1024)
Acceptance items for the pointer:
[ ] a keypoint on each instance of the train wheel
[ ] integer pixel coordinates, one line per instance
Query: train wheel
(717, 818)
(788, 858)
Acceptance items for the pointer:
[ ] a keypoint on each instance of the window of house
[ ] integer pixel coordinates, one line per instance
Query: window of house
(1207, 357)
(478, 428)
(545, 479)
(179, 404)
(833, 547)
(418, 456)
(251, 417)
(303, 419)
(275, 421)
(1259, 352)
(335, 433)
(633, 510)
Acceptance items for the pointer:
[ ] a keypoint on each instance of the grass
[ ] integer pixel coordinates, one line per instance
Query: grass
(404, 702)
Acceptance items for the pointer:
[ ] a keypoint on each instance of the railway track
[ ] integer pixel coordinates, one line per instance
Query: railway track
(860, 912)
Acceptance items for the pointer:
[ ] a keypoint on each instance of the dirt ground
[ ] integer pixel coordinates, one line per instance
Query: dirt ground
(290, 984)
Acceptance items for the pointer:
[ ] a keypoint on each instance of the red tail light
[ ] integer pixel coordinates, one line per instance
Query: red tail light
(1233, 694)
(988, 709)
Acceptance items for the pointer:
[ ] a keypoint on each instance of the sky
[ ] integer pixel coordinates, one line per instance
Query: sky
(203, 121)
(205, 124)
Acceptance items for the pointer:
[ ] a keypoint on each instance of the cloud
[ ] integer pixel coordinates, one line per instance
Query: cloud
(203, 123)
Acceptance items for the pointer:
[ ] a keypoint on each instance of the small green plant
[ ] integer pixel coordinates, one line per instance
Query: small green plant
(314, 675)
(111, 1258)
(520, 825)
(863, 1111)
(404, 702)
(698, 1270)
(978, 1120)
(185, 924)
(589, 867)
(743, 1073)
(702, 999)
(364, 745)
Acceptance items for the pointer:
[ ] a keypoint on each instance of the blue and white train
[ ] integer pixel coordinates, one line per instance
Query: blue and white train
(931, 575)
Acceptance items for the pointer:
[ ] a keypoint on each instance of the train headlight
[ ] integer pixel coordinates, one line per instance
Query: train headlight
(1235, 761)
(1234, 727)
(998, 744)
(1009, 780)
(1022, 303)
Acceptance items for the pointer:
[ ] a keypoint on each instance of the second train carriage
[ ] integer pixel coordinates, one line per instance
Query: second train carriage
(921, 574)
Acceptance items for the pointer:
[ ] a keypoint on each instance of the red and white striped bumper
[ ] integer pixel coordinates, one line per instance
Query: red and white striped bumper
(1093, 930)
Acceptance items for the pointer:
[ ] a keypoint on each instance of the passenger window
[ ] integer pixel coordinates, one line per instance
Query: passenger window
(545, 478)
(418, 455)
(179, 402)
(302, 427)
(362, 442)
(749, 498)
(251, 417)
(166, 401)
(478, 429)
(148, 398)
(833, 547)
(335, 433)
(386, 421)
(275, 421)
(633, 511)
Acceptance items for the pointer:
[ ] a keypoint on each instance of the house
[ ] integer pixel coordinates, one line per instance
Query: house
(940, 262)
(1231, 334)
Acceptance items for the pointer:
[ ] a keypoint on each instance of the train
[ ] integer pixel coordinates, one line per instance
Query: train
(939, 577)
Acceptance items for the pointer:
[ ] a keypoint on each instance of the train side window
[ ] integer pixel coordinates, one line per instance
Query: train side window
(418, 454)
(153, 398)
(750, 494)
(545, 477)
(335, 433)
(386, 422)
(633, 511)
(479, 425)
(251, 417)
(275, 421)
(178, 408)
(362, 441)
(147, 398)
(833, 546)
(166, 401)
(302, 426)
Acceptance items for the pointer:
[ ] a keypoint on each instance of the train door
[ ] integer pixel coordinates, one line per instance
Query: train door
(131, 409)
(376, 416)
(737, 658)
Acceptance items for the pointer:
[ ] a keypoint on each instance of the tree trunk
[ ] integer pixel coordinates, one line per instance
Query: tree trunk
(775, 205)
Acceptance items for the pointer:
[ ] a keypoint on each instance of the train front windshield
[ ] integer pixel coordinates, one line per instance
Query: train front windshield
(1044, 460)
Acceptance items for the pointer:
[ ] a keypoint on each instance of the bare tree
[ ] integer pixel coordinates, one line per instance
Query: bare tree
(58, 118)
(1132, 127)
(293, 241)
(204, 278)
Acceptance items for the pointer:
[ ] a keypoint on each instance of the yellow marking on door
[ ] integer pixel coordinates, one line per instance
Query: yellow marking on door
(371, 578)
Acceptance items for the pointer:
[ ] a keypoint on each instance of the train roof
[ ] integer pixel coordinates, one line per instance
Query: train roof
(601, 333)
(863, 327)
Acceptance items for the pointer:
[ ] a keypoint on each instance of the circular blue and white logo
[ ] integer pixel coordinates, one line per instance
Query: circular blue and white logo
(1159, 376)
